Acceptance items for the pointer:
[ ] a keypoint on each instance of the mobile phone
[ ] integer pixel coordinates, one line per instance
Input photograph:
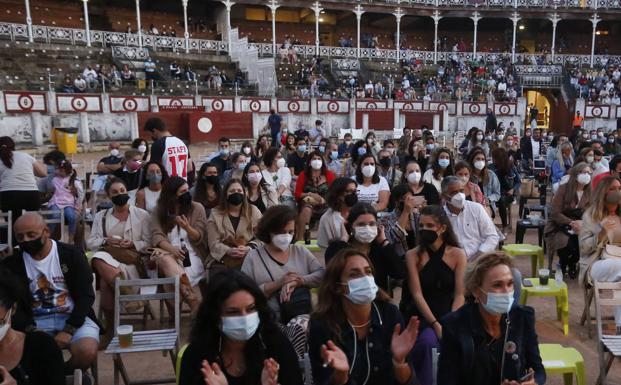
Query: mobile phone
(528, 376)
(527, 283)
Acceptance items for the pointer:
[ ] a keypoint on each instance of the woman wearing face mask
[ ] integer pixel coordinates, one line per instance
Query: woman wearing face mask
(483, 177)
(289, 148)
(509, 179)
(478, 140)
(310, 191)
(206, 191)
(418, 153)
(235, 340)
(260, 193)
(368, 237)
(561, 165)
(248, 151)
(401, 223)
(435, 284)
(263, 144)
(490, 340)
(611, 147)
(360, 149)
(278, 266)
(413, 178)
(30, 358)
(565, 218)
(601, 227)
(278, 175)
(151, 186)
(355, 335)
(511, 144)
(441, 165)
(372, 188)
(142, 146)
(586, 155)
(116, 237)
(68, 197)
(372, 144)
(463, 147)
(472, 190)
(179, 227)
(239, 162)
(341, 197)
(231, 228)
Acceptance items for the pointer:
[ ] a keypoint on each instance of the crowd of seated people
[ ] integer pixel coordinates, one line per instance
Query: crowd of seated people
(399, 209)
(599, 86)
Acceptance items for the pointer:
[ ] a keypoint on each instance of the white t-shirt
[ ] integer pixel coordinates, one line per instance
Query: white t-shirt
(47, 284)
(370, 194)
(282, 177)
(20, 177)
(175, 156)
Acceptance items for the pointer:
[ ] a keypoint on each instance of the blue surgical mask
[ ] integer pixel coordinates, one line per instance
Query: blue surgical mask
(362, 151)
(242, 166)
(51, 169)
(499, 303)
(334, 155)
(302, 148)
(430, 146)
(240, 328)
(444, 163)
(224, 151)
(362, 290)
(322, 149)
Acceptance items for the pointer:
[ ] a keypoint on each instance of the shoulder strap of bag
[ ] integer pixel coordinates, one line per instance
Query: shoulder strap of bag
(265, 265)
(103, 223)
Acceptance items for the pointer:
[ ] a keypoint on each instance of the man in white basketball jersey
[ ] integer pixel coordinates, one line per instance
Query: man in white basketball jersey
(168, 150)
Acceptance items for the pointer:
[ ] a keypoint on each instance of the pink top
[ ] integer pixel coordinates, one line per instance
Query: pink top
(63, 197)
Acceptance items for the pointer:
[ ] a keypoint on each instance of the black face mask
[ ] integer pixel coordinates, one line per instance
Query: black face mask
(351, 199)
(427, 237)
(185, 198)
(235, 199)
(385, 162)
(33, 246)
(120, 200)
(211, 179)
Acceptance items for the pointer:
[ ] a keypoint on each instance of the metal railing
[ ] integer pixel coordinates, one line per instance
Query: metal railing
(543, 4)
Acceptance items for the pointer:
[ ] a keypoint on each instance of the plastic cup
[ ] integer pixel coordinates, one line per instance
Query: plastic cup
(544, 276)
(126, 335)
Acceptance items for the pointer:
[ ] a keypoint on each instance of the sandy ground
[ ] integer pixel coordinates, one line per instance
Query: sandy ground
(549, 330)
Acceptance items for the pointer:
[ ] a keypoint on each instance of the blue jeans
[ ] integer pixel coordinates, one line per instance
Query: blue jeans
(54, 323)
(71, 218)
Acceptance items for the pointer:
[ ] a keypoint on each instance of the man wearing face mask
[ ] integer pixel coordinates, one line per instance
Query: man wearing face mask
(333, 163)
(346, 147)
(531, 148)
(473, 227)
(222, 160)
(60, 289)
(132, 171)
(387, 169)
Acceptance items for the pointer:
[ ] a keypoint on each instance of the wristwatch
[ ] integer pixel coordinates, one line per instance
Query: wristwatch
(69, 329)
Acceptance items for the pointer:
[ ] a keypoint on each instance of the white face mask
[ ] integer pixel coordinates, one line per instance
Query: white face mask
(365, 234)
(254, 177)
(509, 143)
(501, 137)
(282, 241)
(414, 177)
(479, 164)
(115, 152)
(240, 328)
(247, 150)
(280, 163)
(458, 200)
(142, 148)
(368, 171)
(584, 179)
(499, 303)
(5, 328)
(316, 164)
(464, 179)
(590, 159)
(362, 290)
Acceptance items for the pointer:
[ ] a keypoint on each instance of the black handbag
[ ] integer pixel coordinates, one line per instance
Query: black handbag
(299, 301)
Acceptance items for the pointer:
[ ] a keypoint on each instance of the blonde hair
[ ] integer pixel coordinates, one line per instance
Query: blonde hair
(598, 210)
(475, 272)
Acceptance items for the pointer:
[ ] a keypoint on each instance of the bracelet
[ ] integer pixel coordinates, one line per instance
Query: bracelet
(435, 322)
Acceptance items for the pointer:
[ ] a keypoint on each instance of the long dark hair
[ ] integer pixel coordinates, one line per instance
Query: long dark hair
(145, 178)
(67, 167)
(501, 161)
(263, 185)
(200, 191)
(359, 209)
(359, 177)
(7, 146)
(168, 201)
(308, 170)
(485, 172)
(206, 335)
(137, 142)
(335, 192)
(438, 214)
(435, 165)
(329, 307)
(354, 150)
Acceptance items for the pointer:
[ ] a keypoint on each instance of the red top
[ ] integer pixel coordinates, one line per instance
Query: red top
(299, 185)
(598, 178)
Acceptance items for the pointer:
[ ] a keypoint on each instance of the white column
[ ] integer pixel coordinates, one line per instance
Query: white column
(476, 16)
(138, 23)
(229, 4)
(436, 20)
(87, 24)
(554, 19)
(398, 15)
(515, 19)
(595, 20)
(358, 11)
(29, 21)
(273, 5)
(186, 33)
(317, 9)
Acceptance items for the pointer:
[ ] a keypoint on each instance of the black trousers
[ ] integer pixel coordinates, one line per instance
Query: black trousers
(503, 208)
(16, 201)
(569, 255)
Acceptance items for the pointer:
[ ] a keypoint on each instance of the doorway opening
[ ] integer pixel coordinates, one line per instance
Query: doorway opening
(539, 105)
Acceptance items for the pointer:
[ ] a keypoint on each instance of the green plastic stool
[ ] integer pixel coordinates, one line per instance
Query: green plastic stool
(558, 359)
(535, 252)
(552, 289)
(178, 362)
(313, 247)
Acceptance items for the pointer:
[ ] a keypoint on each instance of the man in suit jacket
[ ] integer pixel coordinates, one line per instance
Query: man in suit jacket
(61, 293)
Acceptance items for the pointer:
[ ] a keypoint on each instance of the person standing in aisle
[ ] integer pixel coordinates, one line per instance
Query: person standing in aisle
(168, 150)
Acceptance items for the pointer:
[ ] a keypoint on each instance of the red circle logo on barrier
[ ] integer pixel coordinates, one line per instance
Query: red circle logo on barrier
(333, 107)
(504, 109)
(408, 106)
(25, 102)
(293, 106)
(371, 106)
(78, 103)
(255, 106)
(176, 103)
(442, 107)
(217, 105)
(474, 109)
(597, 111)
(130, 104)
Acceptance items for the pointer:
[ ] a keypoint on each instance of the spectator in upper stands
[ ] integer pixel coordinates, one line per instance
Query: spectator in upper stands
(275, 124)
(68, 197)
(153, 30)
(372, 187)
(150, 70)
(297, 161)
(188, 73)
(179, 227)
(18, 186)
(473, 227)
(127, 75)
(222, 161)
(79, 84)
(115, 78)
(153, 177)
(278, 175)
(441, 166)
(60, 289)
(175, 71)
(90, 76)
(346, 147)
